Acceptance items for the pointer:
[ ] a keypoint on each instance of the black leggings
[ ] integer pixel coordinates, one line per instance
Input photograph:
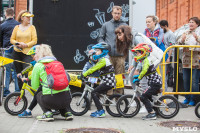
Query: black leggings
(20, 66)
(34, 101)
(102, 88)
(146, 97)
(59, 101)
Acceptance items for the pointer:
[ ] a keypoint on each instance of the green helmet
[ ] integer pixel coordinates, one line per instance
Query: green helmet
(32, 51)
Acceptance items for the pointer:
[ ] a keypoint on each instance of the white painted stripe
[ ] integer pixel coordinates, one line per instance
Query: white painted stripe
(34, 125)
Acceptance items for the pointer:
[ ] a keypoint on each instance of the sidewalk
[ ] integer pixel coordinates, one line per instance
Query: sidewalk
(13, 124)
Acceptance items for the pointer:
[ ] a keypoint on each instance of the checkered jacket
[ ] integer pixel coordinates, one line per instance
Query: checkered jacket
(149, 71)
(106, 70)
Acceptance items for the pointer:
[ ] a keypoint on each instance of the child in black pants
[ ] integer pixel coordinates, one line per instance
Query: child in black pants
(142, 51)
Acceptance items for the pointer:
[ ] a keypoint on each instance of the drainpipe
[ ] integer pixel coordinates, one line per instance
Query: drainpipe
(31, 8)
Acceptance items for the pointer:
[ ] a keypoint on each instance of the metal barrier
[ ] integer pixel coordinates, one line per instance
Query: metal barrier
(164, 63)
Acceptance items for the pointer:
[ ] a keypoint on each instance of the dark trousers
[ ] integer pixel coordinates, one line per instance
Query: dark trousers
(146, 97)
(102, 88)
(20, 66)
(60, 101)
(34, 101)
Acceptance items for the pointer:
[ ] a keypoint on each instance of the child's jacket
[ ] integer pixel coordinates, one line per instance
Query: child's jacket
(106, 70)
(149, 71)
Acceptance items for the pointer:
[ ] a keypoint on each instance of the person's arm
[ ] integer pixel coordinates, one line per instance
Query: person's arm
(1, 36)
(35, 80)
(161, 35)
(145, 68)
(96, 67)
(172, 41)
(102, 34)
(85, 68)
(33, 37)
(13, 36)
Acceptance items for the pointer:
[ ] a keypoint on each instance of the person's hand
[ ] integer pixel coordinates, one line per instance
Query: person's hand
(24, 79)
(19, 75)
(195, 35)
(130, 68)
(168, 60)
(136, 81)
(135, 76)
(20, 44)
(183, 38)
(24, 45)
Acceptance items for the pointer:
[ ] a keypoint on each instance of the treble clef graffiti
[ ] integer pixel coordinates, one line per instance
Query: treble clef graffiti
(78, 58)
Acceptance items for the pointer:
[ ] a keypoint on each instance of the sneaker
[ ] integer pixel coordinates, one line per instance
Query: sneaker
(99, 114)
(150, 116)
(25, 114)
(48, 116)
(7, 92)
(186, 101)
(94, 112)
(191, 103)
(68, 116)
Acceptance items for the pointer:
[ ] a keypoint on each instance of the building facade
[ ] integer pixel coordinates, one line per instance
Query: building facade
(177, 12)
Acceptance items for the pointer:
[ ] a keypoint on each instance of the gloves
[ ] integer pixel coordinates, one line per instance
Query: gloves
(136, 80)
(135, 76)
(80, 77)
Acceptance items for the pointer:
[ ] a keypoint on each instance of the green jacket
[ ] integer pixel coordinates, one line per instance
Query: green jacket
(39, 73)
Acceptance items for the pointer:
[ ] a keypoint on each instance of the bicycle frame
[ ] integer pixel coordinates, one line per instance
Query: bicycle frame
(137, 89)
(88, 89)
(25, 87)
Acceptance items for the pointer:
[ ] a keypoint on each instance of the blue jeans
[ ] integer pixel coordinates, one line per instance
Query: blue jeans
(10, 69)
(195, 82)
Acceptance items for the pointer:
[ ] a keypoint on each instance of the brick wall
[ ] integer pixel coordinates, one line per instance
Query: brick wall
(177, 12)
(20, 5)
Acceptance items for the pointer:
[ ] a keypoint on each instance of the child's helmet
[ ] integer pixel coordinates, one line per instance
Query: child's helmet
(144, 49)
(104, 47)
(32, 51)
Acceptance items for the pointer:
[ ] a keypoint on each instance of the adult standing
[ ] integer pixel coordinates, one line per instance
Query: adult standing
(6, 31)
(169, 40)
(191, 37)
(25, 36)
(128, 38)
(107, 34)
(153, 28)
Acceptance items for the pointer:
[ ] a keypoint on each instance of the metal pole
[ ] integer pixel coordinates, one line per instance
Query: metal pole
(175, 72)
(9, 3)
(131, 4)
(31, 9)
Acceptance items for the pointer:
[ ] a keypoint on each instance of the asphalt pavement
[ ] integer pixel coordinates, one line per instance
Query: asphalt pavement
(13, 124)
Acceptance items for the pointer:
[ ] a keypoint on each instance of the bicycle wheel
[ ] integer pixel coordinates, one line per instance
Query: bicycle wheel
(76, 108)
(1, 85)
(197, 110)
(111, 107)
(13, 105)
(168, 107)
(128, 107)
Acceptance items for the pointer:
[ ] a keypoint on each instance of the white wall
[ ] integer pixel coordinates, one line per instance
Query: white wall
(140, 10)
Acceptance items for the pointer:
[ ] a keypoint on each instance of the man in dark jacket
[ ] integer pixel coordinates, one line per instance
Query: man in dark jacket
(107, 34)
(6, 32)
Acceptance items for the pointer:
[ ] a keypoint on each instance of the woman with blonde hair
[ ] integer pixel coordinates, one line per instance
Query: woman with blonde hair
(49, 98)
(153, 28)
(24, 37)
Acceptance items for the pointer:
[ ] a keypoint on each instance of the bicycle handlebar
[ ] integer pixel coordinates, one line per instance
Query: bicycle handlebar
(3, 49)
